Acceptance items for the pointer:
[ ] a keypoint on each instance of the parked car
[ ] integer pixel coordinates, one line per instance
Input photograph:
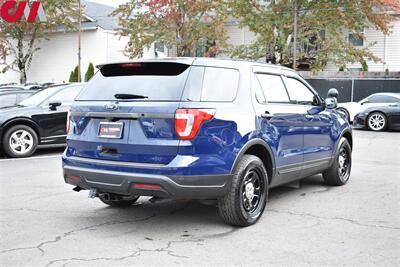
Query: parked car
(36, 121)
(33, 86)
(379, 118)
(202, 129)
(350, 109)
(11, 87)
(12, 97)
(7, 84)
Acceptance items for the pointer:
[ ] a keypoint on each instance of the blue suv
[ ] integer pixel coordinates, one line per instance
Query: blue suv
(202, 129)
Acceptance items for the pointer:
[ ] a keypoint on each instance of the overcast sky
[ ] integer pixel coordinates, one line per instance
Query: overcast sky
(109, 2)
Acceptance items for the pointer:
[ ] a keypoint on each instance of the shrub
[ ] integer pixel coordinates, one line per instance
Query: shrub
(89, 73)
(74, 75)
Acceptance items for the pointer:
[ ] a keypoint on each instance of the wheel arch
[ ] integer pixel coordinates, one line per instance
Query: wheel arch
(20, 121)
(347, 112)
(349, 136)
(258, 147)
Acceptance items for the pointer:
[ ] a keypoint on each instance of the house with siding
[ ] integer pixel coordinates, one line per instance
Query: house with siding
(57, 56)
(386, 47)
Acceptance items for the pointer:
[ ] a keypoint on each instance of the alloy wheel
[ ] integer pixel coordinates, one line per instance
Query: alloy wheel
(376, 122)
(252, 191)
(344, 164)
(21, 142)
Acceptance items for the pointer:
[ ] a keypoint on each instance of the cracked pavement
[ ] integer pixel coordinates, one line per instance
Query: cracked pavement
(44, 223)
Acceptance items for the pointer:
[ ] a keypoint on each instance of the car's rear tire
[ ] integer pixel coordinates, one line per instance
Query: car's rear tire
(245, 202)
(20, 141)
(339, 173)
(118, 202)
(377, 121)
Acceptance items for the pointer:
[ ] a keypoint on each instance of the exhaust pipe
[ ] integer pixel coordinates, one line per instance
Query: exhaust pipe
(105, 196)
(77, 189)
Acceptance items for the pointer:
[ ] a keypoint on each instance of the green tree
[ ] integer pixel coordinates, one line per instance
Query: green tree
(322, 30)
(73, 78)
(179, 24)
(89, 73)
(20, 41)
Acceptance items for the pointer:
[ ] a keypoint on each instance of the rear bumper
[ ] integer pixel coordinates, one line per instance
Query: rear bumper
(123, 183)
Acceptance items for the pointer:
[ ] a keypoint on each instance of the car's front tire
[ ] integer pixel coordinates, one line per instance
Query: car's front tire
(339, 173)
(377, 121)
(20, 141)
(245, 202)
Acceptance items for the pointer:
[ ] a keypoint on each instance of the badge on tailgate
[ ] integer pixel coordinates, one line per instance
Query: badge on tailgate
(111, 130)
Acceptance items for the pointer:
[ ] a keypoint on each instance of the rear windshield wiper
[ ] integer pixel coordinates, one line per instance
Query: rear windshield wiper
(130, 96)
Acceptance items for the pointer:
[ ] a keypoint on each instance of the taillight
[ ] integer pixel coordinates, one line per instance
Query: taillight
(68, 121)
(189, 121)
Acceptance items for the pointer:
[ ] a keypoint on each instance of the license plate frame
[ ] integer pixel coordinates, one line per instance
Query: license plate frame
(110, 130)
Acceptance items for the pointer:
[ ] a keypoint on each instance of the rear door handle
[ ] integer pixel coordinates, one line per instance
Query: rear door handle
(309, 117)
(267, 115)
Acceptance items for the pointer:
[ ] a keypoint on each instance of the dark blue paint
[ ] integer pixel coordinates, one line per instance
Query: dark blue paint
(291, 136)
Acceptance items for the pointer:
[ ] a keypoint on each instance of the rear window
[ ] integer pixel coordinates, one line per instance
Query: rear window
(154, 81)
(211, 84)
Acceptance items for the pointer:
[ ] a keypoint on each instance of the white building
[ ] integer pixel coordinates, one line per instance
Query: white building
(386, 47)
(57, 56)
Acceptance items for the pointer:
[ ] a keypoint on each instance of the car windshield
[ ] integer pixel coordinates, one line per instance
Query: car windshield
(39, 97)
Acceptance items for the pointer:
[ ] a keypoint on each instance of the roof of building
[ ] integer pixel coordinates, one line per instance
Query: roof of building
(98, 15)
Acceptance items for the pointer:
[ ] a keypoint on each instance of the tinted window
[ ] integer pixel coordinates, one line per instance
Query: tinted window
(8, 100)
(382, 99)
(156, 81)
(194, 85)
(299, 92)
(273, 88)
(209, 84)
(66, 96)
(39, 97)
(219, 84)
(259, 93)
(23, 96)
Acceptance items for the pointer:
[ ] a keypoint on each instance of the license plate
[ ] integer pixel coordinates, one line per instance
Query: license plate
(111, 130)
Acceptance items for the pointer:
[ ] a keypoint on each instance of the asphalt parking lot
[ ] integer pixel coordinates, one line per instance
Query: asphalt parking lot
(45, 223)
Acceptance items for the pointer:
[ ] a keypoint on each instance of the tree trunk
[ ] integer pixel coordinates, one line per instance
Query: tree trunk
(21, 60)
(22, 76)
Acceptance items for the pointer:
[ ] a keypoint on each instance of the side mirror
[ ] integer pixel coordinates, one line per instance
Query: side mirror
(364, 102)
(331, 103)
(53, 106)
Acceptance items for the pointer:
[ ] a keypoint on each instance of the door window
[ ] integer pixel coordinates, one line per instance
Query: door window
(382, 99)
(299, 93)
(8, 100)
(273, 88)
(22, 97)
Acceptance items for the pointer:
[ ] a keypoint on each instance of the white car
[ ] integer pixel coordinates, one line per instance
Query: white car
(350, 109)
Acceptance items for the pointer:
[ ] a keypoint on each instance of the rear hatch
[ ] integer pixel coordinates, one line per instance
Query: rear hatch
(126, 113)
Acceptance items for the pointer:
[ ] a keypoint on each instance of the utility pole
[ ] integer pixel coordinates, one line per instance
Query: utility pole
(79, 41)
(295, 36)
